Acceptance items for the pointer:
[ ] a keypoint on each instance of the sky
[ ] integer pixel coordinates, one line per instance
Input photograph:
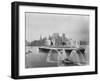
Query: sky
(74, 26)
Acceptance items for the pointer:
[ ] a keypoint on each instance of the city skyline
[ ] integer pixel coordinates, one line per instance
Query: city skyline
(74, 26)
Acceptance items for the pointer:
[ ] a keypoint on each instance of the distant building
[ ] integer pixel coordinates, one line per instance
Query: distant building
(84, 42)
(56, 40)
(27, 43)
(40, 37)
(74, 43)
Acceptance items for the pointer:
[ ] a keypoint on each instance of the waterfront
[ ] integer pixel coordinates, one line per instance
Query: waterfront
(36, 59)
